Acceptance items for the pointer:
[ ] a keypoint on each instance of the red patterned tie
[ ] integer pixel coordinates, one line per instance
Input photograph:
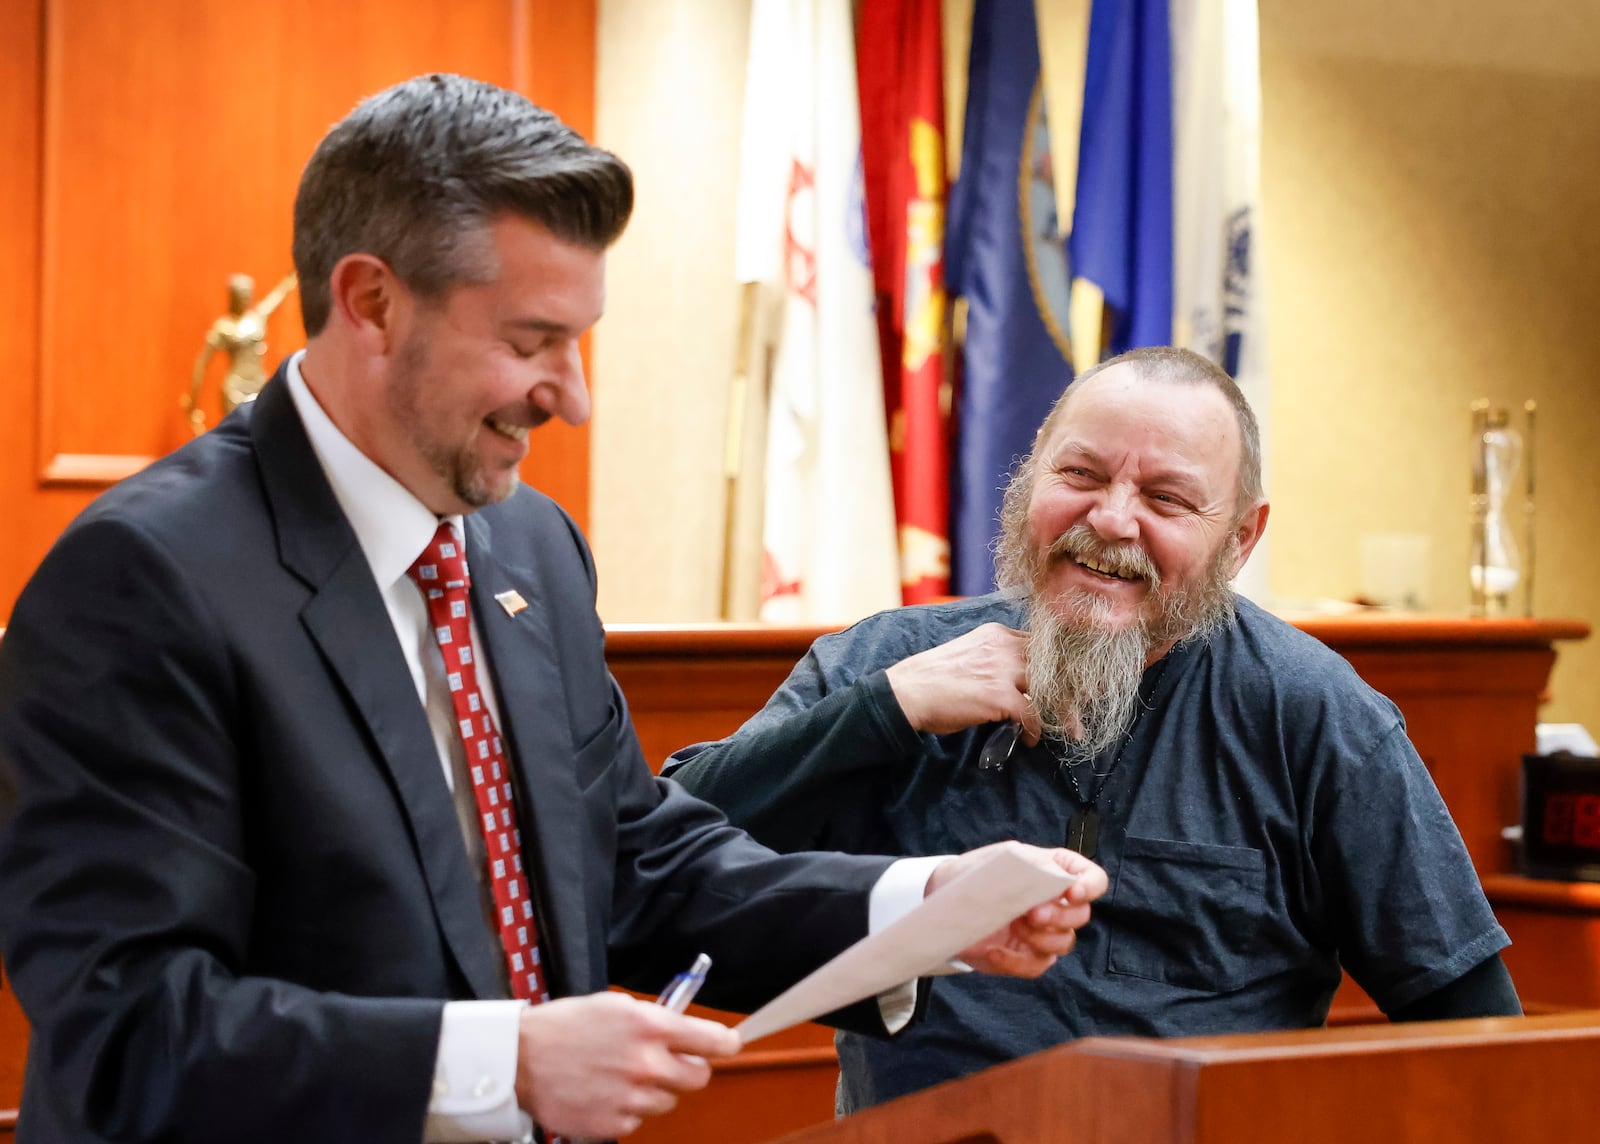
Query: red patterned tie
(441, 573)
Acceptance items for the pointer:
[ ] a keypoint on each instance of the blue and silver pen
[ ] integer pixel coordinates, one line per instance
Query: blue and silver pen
(682, 988)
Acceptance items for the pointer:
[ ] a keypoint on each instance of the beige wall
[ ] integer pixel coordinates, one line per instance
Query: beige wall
(1431, 174)
(671, 77)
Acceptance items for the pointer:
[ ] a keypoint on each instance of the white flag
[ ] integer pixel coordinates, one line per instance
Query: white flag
(1218, 295)
(828, 533)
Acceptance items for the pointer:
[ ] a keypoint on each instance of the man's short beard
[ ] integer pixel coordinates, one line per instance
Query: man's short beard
(1083, 674)
(457, 467)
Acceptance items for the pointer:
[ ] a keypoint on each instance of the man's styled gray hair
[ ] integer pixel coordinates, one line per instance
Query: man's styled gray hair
(416, 173)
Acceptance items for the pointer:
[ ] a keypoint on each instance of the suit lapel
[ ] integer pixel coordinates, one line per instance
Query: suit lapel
(347, 619)
(533, 716)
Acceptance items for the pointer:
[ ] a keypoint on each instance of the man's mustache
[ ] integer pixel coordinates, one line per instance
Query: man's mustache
(1127, 559)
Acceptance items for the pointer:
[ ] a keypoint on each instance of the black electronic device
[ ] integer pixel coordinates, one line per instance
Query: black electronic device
(1561, 817)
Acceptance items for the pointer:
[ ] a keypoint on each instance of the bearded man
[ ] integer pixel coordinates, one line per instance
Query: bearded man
(1260, 813)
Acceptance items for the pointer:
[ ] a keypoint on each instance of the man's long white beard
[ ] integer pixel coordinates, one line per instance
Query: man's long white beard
(1084, 675)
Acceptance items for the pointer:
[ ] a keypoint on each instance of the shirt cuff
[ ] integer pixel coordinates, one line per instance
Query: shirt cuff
(475, 1074)
(899, 891)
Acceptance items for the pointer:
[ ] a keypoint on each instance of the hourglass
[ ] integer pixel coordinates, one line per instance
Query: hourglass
(1497, 569)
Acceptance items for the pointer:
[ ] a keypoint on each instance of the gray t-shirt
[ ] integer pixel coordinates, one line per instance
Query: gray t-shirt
(1265, 821)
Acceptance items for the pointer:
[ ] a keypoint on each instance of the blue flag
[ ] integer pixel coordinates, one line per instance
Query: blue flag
(1122, 235)
(1005, 255)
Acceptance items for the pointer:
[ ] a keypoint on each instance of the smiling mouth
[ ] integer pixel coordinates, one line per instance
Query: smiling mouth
(1106, 570)
(507, 428)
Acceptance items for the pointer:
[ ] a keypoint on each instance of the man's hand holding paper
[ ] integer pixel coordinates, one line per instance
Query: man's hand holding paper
(1044, 893)
(1030, 944)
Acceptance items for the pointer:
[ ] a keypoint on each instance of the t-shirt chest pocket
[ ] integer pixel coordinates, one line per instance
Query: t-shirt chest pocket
(1189, 914)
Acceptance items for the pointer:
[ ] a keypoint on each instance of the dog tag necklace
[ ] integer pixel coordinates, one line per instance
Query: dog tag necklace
(1083, 832)
(1083, 827)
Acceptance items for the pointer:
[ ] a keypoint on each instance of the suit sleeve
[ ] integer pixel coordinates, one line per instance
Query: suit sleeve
(126, 880)
(683, 881)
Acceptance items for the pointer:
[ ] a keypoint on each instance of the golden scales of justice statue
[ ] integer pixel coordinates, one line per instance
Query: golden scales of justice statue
(241, 334)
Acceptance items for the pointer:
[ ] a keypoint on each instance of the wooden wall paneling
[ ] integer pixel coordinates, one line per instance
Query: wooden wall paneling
(153, 149)
(32, 518)
(164, 171)
(687, 685)
(1554, 956)
(13, 1051)
(553, 64)
(175, 132)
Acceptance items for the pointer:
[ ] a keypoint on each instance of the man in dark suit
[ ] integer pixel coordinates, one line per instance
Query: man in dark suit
(309, 830)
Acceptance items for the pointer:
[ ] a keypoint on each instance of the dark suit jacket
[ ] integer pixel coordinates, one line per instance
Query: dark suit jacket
(233, 890)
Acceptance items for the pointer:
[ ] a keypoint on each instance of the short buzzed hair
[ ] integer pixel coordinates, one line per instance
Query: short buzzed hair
(1181, 367)
(415, 174)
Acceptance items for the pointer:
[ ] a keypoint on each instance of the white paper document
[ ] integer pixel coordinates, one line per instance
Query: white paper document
(949, 920)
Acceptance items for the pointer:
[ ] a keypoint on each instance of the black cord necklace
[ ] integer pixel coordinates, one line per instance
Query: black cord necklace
(1083, 827)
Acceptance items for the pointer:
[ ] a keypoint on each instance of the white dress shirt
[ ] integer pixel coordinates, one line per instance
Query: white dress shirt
(473, 1094)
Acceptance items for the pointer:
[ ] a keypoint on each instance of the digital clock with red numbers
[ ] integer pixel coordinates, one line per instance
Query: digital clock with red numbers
(1561, 817)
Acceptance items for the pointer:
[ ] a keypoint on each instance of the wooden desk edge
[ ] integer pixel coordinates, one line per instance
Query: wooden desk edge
(1542, 893)
(1379, 630)
(1383, 630)
(1581, 1024)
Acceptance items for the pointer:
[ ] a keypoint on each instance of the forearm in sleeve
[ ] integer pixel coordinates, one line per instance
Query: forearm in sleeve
(1483, 991)
(802, 782)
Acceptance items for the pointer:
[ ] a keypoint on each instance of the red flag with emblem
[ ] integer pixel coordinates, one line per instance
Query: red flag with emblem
(903, 163)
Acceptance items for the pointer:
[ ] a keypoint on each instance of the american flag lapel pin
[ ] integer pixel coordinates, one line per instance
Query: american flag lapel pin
(511, 601)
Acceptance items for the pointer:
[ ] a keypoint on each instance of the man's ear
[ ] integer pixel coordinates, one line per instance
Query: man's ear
(1248, 531)
(366, 298)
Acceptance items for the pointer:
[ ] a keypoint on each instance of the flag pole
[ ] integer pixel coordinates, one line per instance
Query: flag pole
(733, 441)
